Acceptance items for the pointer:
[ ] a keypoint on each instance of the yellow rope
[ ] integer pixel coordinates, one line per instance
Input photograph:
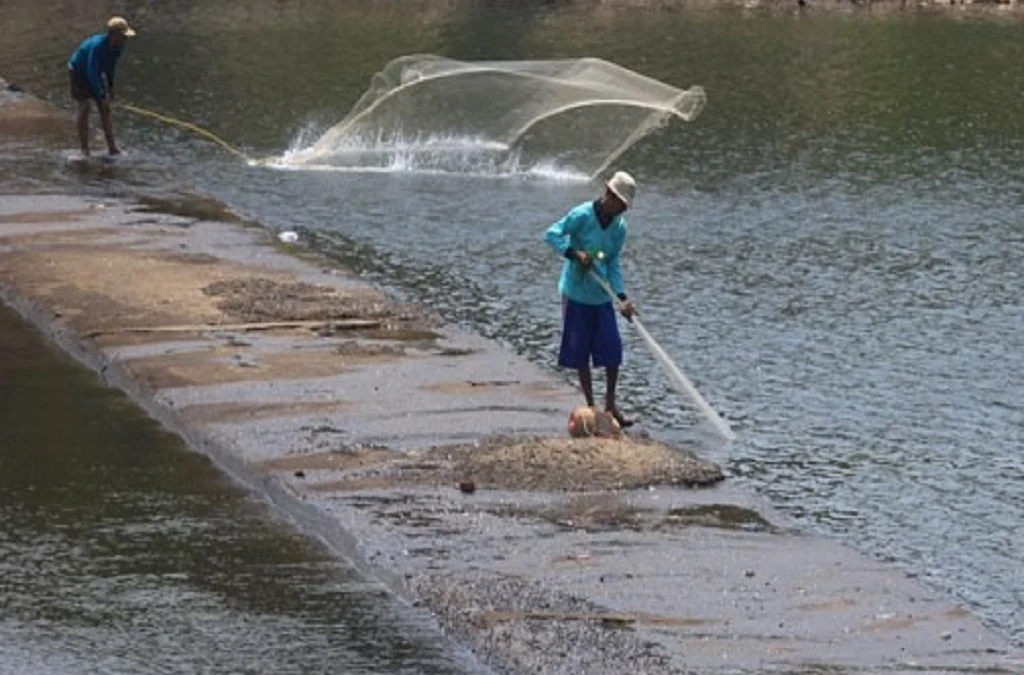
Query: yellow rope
(209, 135)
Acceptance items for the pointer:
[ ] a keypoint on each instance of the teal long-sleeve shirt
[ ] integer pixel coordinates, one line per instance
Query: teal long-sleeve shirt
(93, 60)
(580, 230)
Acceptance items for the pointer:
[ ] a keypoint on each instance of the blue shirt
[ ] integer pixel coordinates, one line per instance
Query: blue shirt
(93, 59)
(580, 230)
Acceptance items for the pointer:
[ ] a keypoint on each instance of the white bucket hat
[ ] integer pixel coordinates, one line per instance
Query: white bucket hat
(118, 24)
(622, 186)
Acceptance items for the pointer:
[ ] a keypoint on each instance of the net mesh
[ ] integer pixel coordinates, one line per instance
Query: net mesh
(427, 112)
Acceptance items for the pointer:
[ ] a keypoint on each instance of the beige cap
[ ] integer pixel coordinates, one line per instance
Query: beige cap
(119, 24)
(622, 186)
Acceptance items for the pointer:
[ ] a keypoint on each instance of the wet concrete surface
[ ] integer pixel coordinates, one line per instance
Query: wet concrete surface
(597, 579)
(25, 117)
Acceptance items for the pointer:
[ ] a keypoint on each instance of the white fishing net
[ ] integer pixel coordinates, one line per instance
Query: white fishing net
(427, 113)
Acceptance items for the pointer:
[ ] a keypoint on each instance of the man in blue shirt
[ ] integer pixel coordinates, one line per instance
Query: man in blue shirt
(91, 68)
(591, 237)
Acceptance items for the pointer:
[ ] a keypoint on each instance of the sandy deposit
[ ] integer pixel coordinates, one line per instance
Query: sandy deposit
(510, 463)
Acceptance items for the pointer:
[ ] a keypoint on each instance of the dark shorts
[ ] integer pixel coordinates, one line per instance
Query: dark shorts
(590, 334)
(79, 87)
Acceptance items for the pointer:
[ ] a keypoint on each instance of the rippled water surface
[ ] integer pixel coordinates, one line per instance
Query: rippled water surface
(832, 250)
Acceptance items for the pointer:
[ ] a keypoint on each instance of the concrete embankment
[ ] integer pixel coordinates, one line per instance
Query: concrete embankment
(359, 418)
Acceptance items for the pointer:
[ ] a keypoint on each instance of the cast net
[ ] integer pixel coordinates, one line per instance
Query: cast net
(430, 113)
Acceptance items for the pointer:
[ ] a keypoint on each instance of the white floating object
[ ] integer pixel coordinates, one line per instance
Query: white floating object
(288, 237)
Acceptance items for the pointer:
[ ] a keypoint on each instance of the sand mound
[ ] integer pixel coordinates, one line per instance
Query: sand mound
(579, 464)
(540, 464)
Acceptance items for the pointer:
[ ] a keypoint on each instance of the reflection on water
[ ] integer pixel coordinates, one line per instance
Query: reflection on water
(831, 251)
(123, 552)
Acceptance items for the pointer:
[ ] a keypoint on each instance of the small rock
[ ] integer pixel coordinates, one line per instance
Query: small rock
(300, 474)
(467, 486)
(946, 635)
(749, 573)
(288, 237)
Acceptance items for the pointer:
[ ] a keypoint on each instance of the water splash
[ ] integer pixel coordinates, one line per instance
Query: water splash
(565, 118)
(428, 154)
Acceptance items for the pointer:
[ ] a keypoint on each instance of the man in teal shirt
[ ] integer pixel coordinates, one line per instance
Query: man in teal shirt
(591, 237)
(91, 69)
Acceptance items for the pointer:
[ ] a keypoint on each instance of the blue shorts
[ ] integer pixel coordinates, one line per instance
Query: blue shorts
(590, 333)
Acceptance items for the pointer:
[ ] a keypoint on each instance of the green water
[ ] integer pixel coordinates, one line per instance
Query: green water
(831, 251)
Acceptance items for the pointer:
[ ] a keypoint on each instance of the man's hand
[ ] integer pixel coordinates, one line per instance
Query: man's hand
(627, 309)
(583, 259)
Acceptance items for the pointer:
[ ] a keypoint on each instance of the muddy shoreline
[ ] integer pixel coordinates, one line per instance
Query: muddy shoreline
(359, 418)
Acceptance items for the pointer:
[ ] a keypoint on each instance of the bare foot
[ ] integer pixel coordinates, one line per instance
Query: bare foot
(623, 421)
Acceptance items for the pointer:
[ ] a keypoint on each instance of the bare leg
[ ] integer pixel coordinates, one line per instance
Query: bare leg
(108, 127)
(612, 377)
(83, 126)
(587, 385)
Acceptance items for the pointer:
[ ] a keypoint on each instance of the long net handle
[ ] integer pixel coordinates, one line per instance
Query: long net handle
(676, 377)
